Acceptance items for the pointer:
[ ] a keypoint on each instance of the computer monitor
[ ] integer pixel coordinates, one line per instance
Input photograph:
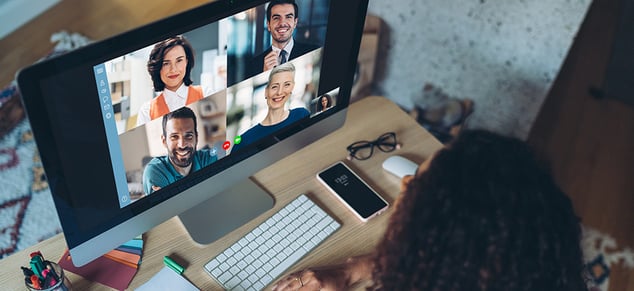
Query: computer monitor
(121, 152)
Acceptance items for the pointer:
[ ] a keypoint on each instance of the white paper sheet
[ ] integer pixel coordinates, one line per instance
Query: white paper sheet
(166, 279)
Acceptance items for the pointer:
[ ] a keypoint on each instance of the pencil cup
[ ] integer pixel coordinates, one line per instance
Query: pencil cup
(60, 284)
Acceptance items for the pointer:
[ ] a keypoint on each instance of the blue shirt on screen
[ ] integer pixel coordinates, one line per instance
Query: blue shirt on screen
(260, 131)
(160, 172)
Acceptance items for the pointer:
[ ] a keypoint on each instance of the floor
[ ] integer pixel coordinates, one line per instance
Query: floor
(590, 141)
(504, 55)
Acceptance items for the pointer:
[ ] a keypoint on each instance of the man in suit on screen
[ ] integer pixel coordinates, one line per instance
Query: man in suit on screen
(281, 21)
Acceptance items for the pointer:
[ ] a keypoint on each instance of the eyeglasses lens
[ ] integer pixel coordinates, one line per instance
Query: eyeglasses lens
(386, 142)
(361, 150)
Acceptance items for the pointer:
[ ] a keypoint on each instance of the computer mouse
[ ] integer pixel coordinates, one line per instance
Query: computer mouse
(400, 166)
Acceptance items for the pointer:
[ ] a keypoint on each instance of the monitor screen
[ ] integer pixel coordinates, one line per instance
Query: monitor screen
(143, 126)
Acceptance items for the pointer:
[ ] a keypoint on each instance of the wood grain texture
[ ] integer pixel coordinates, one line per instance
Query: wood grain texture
(589, 141)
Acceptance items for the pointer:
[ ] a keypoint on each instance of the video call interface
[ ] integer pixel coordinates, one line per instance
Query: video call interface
(230, 95)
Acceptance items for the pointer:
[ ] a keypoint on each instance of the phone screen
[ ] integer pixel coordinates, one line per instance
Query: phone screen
(352, 190)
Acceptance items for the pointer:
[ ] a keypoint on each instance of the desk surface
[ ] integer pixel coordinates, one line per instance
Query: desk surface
(284, 180)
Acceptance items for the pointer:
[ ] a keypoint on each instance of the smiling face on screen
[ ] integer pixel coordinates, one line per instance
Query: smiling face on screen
(180, 140)
(279, 89)
(282, 24)
(174, 68)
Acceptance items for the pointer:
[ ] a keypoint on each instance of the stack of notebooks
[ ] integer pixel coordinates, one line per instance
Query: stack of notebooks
(115, 269)
(129, 253)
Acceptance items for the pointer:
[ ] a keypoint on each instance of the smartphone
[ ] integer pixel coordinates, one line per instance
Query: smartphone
(355, 193)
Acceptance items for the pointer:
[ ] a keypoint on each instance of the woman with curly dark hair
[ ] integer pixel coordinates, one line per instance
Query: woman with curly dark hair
(482, 214)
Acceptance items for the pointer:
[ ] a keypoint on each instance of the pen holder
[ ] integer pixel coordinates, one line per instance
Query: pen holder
(63, 284)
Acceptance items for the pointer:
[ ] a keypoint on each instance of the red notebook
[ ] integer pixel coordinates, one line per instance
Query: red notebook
(102, 270)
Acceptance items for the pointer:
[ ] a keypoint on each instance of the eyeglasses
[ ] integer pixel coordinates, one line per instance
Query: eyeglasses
(363, 150)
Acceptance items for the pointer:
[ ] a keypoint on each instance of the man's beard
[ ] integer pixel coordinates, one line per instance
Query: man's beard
(282, 40)
(181, 161)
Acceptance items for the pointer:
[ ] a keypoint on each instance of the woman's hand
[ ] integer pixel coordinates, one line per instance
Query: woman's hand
(330, 278)
(322, 279)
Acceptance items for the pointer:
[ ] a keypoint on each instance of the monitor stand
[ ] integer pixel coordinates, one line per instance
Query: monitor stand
(226, 211)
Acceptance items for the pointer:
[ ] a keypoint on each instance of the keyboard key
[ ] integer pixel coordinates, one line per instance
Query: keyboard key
(234, 270)
(231, 261)
(225, 277)
(223, 266)
(250, 269)
(257, 264)
(256, 253)
(233, 282)
(258, 286)
(216, 272)
(334, 225)
(249, 259)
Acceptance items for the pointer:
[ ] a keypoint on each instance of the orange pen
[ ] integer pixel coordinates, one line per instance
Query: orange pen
(36, 282)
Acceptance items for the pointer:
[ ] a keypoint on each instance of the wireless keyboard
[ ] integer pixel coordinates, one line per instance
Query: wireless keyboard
(268, 250)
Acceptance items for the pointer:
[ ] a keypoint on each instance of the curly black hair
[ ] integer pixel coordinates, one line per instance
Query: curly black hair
(485, 215)
(155, 62)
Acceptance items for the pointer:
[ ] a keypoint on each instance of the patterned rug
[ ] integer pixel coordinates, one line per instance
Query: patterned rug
(27, 213)
(602, 254)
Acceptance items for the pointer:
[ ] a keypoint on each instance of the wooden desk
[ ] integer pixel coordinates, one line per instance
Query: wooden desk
(285, 180)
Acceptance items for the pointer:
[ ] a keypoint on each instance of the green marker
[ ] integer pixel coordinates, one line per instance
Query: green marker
(173, 265)
(37, 264)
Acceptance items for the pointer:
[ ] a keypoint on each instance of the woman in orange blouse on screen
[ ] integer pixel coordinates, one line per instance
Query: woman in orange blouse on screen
(170, 67)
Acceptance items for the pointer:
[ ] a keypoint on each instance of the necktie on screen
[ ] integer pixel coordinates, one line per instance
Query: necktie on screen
(282, 57)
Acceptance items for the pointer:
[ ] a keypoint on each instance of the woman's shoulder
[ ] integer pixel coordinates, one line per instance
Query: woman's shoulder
(143, 115)
(253, 130)
(205, 91)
